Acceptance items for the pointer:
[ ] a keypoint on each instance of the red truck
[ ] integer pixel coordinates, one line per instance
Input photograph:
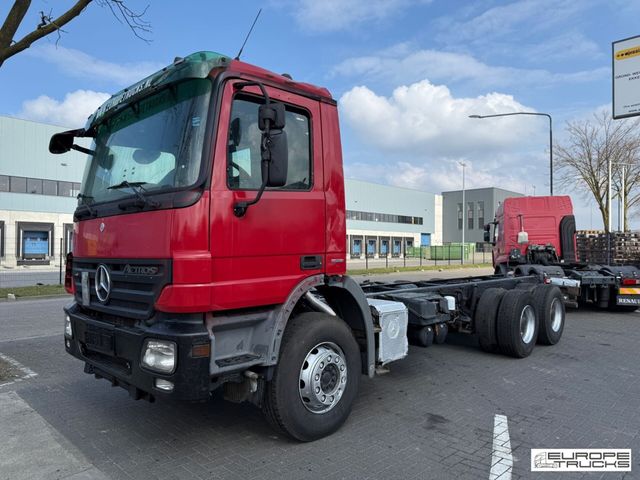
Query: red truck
(209, 254)
(530, 232)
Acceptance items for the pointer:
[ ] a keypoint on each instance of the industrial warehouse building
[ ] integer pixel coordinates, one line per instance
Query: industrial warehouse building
(481, 205)
(384, 220)
(38, 196)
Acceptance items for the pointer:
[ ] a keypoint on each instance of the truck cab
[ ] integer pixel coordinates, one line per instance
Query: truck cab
(533, 230)
(538, 235)
(211, 204)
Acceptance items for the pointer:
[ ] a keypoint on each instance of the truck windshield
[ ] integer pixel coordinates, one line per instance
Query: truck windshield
(156, 142)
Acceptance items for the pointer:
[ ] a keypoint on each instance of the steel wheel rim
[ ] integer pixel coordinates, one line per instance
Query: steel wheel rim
(527, 323)
(556, 315)
(323, 377)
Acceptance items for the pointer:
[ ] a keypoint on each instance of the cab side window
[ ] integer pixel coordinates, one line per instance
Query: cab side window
(243, 147)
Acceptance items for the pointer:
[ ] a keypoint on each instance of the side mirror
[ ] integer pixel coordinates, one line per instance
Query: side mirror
(273, 147)
(271, 116)
(276, 151)
(61, 142)
(487, 236)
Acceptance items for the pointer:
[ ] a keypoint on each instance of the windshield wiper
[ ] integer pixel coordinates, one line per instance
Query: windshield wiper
(137, 189)
(84, 207)
(82, 196)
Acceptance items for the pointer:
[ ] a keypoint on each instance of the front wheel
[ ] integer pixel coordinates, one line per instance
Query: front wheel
(316, 380)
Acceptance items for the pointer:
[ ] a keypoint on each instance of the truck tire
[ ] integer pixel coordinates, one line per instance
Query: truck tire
(315, 382)
(485, 318)
(517, 324)
(442, 329)
(549, 304)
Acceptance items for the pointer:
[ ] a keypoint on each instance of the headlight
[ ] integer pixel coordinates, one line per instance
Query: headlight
(159, 355)
(68, 331)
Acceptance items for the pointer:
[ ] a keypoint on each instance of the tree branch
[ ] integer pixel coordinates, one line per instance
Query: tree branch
(37, 34)
(12, 22)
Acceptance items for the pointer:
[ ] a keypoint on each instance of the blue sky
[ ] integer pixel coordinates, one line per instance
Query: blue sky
(406, 73)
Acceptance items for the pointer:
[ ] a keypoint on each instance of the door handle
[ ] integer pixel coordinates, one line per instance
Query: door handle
(310, 262)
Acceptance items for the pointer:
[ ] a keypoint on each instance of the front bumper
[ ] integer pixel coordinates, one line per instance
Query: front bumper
(114, 352)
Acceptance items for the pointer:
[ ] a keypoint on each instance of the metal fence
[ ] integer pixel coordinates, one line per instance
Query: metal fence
(449, 254)
(30, 275)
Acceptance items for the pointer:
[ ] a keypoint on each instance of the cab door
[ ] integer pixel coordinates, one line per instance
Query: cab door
(258, 258)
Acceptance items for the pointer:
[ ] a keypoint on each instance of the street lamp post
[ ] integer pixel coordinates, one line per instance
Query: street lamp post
(550, 137)
(464, 206)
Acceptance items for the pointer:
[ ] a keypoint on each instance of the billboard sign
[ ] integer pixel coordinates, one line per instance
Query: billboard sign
(626, 77)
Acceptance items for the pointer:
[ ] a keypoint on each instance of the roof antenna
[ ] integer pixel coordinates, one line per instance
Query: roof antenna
(247, 37)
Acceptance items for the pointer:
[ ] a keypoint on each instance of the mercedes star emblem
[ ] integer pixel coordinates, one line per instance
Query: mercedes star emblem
(103, 283)
(102, 227)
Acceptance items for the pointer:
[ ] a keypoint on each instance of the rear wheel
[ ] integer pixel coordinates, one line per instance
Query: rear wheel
(485, 318)
(517, 324)
(549, 305)
(316, 380)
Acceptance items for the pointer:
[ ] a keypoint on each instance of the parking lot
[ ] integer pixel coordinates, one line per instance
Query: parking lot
(431, 417)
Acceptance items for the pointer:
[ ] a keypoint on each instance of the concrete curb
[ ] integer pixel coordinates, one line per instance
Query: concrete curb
(36, 297)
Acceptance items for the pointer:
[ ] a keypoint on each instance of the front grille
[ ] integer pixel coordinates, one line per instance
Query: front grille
(133, 295)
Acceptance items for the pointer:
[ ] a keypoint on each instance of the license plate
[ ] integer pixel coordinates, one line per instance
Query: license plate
(628, 300)
(100, 340)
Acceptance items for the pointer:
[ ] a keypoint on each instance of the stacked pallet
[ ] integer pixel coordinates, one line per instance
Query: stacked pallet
(592, 246)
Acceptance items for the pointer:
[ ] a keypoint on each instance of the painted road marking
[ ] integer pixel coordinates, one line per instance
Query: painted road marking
(26, 371)
(501, 458)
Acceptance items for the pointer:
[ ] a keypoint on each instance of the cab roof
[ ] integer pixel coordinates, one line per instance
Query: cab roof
(201, 65)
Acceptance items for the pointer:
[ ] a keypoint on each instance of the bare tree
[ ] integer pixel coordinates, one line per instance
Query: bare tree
(583, 160)
(47, 24)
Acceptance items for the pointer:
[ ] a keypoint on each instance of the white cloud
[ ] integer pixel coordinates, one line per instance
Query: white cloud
(399, 64)
(417, 136)
(444, 174)
(76, 63)
(71, 112)
(426, 117)
(334, 15)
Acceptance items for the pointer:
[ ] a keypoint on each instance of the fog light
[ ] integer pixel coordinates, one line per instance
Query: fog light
(165, 385)
(67, 342)
(68, 331)
(159, 355)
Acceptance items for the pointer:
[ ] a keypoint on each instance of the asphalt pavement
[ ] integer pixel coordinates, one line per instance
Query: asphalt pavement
(433, 416)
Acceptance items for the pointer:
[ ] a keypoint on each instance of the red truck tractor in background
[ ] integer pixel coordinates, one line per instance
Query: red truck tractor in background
(209, 254)
(532, 231)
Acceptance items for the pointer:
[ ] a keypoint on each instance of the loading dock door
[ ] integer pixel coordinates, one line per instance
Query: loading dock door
(371, 246)
(357, 246)
(397, 246)
(384, 247)
(425, 239)
(35, 244)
